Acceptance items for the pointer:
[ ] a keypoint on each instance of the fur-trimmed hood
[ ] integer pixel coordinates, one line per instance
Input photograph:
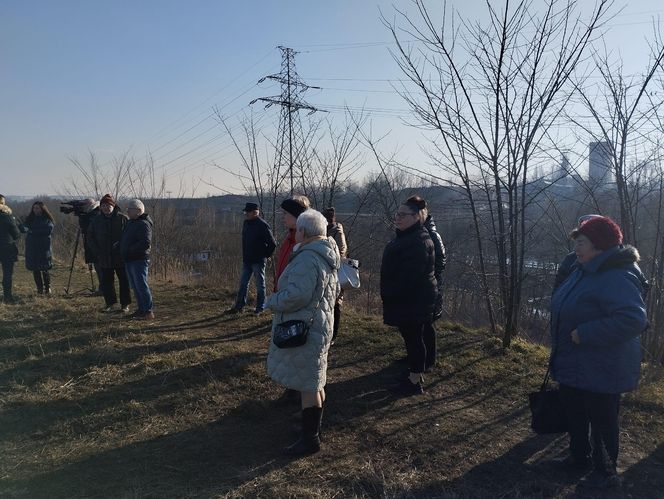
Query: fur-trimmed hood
(5, 209)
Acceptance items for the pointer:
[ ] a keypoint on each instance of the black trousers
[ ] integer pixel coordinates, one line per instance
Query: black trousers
(429, 335)
(337, 314)
(413, 337)
(599, 412)
(42, 280)
(107, 282)
(7, 278)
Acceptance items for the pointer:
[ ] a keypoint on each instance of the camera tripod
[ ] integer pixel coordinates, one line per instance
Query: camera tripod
(71, 269)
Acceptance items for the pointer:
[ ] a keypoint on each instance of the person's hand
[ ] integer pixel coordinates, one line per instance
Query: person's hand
(575, 337)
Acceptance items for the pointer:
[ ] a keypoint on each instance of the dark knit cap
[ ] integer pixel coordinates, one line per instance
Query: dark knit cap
(603, 232)
(293, 207)
(107, 199)
(250, 207)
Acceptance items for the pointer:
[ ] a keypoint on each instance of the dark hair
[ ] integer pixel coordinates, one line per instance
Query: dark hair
(416, 203)
(44, 209)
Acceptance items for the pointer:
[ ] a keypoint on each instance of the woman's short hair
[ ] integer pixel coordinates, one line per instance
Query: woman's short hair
(313, 223)
(303, 200)
(136, 203)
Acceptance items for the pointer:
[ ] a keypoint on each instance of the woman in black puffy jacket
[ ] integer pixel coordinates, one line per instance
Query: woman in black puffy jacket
(408, 288)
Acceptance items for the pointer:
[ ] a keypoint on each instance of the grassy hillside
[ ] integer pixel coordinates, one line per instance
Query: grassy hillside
(95, 405)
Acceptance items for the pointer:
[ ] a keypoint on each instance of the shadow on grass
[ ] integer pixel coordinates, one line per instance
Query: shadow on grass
(205, 461)
(28, 418)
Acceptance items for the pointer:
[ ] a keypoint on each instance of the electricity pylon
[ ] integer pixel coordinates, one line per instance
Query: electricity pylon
(290, 150)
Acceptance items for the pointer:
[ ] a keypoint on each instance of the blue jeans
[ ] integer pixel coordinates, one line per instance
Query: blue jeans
(258, 270)
(137, 272)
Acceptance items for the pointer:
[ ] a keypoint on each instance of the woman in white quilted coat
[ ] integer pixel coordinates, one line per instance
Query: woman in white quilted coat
(307, 288)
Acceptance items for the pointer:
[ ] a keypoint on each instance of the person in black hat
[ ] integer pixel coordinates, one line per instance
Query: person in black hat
(258, 244)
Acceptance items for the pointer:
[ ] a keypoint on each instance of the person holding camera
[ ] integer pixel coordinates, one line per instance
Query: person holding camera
(38, 226)
(9, 234)
(104, 234)
(86, 210)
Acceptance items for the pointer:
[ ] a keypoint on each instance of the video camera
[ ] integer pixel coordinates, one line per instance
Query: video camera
(78, 207)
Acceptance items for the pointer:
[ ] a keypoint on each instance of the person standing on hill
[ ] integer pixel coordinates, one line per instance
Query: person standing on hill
(307, 290)
(597, 316)
(89, 211)
(336, 231)
(292, 208)
(104, 234)
(9, 234)
(135, 246)
(38, 253)
(441, 259)
(408, 289)
(258, 244)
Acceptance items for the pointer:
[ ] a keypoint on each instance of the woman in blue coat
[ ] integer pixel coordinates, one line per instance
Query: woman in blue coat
(38, 254)
(597, 315)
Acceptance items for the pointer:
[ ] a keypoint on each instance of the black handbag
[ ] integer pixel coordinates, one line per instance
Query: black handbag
(294, 333)
(290, 334)
(547, 414)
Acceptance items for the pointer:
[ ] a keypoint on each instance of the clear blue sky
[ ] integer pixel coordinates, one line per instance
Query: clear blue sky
(117, 75)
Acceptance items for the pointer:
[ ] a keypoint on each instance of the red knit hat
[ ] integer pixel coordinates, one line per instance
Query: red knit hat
(107, 199)
(603, 232)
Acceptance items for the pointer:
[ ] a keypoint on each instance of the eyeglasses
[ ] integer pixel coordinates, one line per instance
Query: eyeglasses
(401, 214)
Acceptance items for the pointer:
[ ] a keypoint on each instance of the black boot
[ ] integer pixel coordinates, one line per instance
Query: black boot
(309, 441)
(38, 281)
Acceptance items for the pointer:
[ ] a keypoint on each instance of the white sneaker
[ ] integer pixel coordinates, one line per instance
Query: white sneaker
(125, 310)
(108, 309)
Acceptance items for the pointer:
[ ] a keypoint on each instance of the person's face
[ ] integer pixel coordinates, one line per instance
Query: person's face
(133, 213)
(405, 217)
(36, 209)
(584, 249)
(289, 220)
(251, 215)
(106, 208)
(299, 235)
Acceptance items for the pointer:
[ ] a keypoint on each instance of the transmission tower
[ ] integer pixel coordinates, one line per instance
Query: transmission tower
(290, 150)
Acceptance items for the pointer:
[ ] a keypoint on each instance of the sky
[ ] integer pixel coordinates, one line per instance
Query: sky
(124, 76)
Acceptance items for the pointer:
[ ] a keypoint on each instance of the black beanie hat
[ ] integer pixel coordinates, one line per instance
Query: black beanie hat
(293, 207)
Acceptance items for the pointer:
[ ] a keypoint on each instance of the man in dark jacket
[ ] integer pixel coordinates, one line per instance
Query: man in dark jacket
(9, 234)
(88, 212)
(135, 252)
(104, 234)
(258, 244)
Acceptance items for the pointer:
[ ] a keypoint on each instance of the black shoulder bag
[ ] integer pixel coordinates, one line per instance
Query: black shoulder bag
(294, 333)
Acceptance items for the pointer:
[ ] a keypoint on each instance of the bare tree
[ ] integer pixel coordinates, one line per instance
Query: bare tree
(490, 94)
(620, 111)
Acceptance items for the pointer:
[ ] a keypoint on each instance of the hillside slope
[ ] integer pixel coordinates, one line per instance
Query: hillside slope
(95, 405)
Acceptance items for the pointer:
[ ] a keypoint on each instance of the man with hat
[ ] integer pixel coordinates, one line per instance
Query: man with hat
(104, 234)
(258, 244)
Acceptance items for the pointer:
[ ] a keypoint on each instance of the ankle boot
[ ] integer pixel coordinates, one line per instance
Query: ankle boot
(309, 441)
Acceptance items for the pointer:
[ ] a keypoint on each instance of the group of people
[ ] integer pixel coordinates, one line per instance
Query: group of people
(597, 315)
(597, 307)
(307, 289)
(115, 243)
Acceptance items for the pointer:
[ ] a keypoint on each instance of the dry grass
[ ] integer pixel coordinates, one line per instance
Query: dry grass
(94, 405)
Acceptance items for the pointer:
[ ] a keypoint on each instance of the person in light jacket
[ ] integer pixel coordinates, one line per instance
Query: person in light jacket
(597, 316)
(38, 226)
(308, 288)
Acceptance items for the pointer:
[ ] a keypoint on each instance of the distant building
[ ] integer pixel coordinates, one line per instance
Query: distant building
(599, 164)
